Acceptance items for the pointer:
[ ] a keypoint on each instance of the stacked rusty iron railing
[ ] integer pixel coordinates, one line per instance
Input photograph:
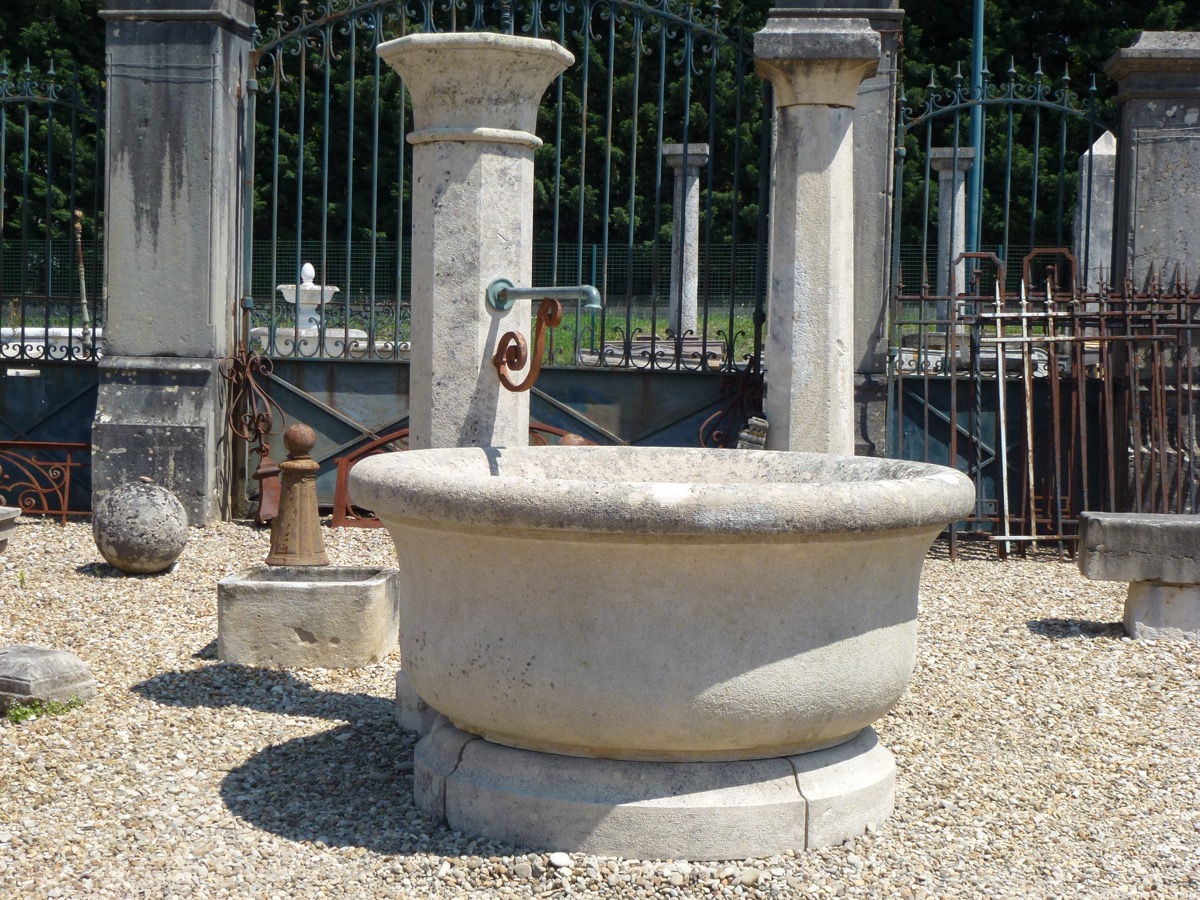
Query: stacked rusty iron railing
(1053, 399)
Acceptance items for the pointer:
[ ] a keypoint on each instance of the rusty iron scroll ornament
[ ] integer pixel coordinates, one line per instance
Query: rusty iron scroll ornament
(512, 353)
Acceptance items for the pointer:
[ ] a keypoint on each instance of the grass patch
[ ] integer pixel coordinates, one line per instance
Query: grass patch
(29, 710)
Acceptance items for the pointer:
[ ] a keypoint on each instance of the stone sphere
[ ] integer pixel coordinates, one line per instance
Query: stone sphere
(140, 528)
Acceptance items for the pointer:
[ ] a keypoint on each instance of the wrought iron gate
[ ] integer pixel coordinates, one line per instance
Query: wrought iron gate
(51, 225)
(329, 179)
(1024, 362)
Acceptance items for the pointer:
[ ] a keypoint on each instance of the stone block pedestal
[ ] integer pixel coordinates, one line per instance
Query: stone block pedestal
(1159, 555)
(308, 616)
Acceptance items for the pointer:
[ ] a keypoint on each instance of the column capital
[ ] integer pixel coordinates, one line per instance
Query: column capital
(1158, 64)
(816, 60)
(947, 159)
(492, 98)
(697, 155)
(236, 15)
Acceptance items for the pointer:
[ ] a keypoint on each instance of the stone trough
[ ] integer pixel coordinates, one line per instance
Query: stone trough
(657, 652)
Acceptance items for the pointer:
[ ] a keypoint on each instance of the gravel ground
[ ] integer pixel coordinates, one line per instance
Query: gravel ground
(1040, 754)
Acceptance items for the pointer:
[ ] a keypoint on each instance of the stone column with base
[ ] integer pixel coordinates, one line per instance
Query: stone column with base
(951, 165)
(685, 161)
(475, 99)
(1158, 194)
(175, 70)
(815, 64)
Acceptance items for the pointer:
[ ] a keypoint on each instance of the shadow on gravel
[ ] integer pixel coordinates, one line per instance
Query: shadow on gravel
(1058, 629)
(350, 786)
(346, 787)
(265, 690)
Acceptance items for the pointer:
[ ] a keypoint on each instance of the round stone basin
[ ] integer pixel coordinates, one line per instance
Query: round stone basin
(655, 603)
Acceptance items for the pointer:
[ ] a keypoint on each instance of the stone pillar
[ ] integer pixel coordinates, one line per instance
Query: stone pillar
(475, 100)
(685, 234)
(874, 170)
(952, 165)
(1094, 236)
(175, 74)
(1158, 194)
(815, 64)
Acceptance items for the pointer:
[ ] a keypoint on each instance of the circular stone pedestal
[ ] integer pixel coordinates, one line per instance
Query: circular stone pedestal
(653, 810)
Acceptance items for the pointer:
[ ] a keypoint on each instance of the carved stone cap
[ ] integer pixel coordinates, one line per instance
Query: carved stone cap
(942, 158)
(816, 61)
(697, 155)
(477, 86)
(1159, 63)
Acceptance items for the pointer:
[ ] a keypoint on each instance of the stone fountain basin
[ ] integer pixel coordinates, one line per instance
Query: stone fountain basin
(653, 603)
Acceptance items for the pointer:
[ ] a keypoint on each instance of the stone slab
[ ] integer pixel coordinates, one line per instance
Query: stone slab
(652, 810)
(41, 673)
(1140, 547)
(1155, 612)
(305, 616)
(8, 523)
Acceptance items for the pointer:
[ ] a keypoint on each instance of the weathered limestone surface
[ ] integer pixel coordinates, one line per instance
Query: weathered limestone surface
(715, 810)
(175, 70)
(140, 529)
(1158, 197)
(580, 669)
(1140, 547)
(815, 65)
(39, 673)
(303, 616)
(1159, 555)
(475, 99)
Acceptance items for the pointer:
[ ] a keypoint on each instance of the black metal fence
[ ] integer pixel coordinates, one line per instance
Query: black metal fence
(51, 218)
(331, 174)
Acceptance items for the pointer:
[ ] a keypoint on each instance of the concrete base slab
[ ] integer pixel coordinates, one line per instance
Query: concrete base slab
(653, 810)
(412, 713)
(40, 673)
(1156, 611)
(308, 616)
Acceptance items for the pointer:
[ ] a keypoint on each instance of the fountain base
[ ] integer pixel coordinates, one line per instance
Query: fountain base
(653, 810)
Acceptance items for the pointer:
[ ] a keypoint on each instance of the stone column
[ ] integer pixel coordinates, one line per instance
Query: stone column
(815, 64)
(952, 165)
(1158, 194)
(475, 100)
(685, 234)
(175, 74)
(1094, 236)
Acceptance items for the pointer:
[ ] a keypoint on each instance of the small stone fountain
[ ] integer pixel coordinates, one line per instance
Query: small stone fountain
(633, 651)
(309, 336)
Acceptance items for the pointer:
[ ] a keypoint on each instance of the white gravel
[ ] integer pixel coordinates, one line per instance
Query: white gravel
(1040, 754)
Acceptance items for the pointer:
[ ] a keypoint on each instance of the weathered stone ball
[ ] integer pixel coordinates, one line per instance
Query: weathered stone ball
(140, 528)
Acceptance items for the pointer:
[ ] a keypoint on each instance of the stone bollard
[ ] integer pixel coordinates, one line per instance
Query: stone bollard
(296, 530)
(1159, 555)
